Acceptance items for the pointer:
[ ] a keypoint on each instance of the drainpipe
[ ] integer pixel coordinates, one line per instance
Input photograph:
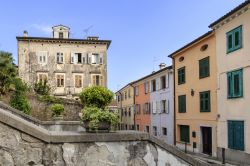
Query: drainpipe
(134, 106)
(174, 102)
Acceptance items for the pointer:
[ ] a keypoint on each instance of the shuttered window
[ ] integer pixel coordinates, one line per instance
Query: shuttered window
(60, 80)
(42, 78)
(236, 135)
(205, 101)
(97, 80)
(234, 39)
(78, 81)
(235, 84)
(181, 75)
(184, 133)
(204, 67)
(153, 84)
(182, 104)
(59, 57)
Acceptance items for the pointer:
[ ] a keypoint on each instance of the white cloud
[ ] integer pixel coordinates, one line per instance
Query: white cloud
(46, 29)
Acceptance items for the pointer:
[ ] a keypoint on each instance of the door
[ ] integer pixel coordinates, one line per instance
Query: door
(207, 140)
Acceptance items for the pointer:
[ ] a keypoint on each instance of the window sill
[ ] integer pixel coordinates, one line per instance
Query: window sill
(201, 77)
(188, 143)
(236, 97)
(232, 50)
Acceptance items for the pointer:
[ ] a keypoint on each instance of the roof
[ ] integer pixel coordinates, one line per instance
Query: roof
(152, 74)
(230, 13)
(191, 43)
(108, 42)
(60, 25)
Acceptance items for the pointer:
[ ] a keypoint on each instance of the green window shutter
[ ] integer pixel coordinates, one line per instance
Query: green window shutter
(235, 84)
(181, 75)
(234, 39)
(205, 101)
(204, 69)
(229, 85)
(182, 103)
(184, 133)
(236, 135)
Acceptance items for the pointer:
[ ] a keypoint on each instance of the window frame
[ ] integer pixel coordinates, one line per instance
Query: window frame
(231, 82)
(61, 83)
(186, 135)
(232, 34)
(181, 75)
(203, 99)
(202, 62)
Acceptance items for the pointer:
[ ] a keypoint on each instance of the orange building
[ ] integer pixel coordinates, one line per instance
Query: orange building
(142, 105)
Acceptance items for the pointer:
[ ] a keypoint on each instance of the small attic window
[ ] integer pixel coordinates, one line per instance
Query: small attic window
(181, 59)
(204, 47)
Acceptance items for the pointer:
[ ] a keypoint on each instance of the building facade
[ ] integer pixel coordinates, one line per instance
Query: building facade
(162, 105)
(233, 58)
(125, 100)
(68, 65)
(195, 95)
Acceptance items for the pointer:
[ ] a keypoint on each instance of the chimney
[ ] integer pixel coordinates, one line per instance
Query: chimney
(25, 33)
(92, 38)
(162, 65)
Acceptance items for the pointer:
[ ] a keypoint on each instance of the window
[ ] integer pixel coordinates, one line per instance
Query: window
(235, 84)
(205, 101)
(118, 98)
(163, 82)
(153, 106)
(204, 67)
(42, 57)
(154, 130)
(137, 127)
(60, 35)
(184, 133)
(236, 135)
(138, 109)
(59, 57)
(97, 80)
(95, 58)
(136, 90)
(125, 94)
(129, 112)
(60, 80)
(146, 108)
(78, 58)
(182, 104)
(78, 81)
(146, 87)
(153, 83)
(181, 75)
(147, 129)
(42, 78)
(164, 131)
(129, 95)
(234, 39)
(164, 105)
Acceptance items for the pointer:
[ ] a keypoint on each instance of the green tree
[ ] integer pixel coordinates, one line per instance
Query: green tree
(7, 71)
(19, 99)
(96, 96)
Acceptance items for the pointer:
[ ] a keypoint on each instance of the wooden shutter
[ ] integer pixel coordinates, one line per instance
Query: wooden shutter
(100, 58)
(184, 133)
(229, 85)
(101, 81)
(167, 106)
(84, 61)
(89, 58)
(72, 58)
(182, 103)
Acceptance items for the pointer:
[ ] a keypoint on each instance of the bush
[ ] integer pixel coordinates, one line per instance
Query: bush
(94, 115)
(42, 88)
(96, 96)
(19, 99)
(57, 109)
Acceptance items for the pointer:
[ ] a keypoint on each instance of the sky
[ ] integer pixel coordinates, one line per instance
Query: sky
(143, 32)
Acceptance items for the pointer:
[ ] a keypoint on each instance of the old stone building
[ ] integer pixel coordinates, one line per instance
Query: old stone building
(68, 64)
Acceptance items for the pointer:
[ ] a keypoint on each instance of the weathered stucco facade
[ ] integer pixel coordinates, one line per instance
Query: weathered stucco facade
(195, 125)
(234, 111)
(69, 65)
(125, 100)
(162, 117)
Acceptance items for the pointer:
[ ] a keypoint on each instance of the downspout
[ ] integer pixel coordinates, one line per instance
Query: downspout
(174, 102)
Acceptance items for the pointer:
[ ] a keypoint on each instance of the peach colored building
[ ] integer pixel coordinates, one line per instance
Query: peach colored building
(195, 95)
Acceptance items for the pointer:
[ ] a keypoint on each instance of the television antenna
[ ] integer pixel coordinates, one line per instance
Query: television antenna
(86, 31)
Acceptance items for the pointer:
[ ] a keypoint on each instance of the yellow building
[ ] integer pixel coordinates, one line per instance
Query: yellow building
(195, 95)
(125, 100)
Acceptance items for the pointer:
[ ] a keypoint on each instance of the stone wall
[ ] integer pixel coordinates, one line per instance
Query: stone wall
(17, 148)
(26, 143)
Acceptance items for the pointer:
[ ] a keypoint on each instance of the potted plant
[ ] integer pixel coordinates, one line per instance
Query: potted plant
(95, 115)
(57, 110)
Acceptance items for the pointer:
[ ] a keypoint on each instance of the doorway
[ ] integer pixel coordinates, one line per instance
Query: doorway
(207, 140)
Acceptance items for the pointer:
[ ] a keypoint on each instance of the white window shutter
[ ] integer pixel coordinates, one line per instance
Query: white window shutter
(167, 106)
(157, 84)
(83, 58)
(89, 58)
(101, 58)
(72, 58)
